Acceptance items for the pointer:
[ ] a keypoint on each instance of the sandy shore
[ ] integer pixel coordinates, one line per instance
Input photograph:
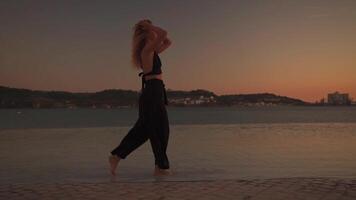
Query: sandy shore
(277, 188)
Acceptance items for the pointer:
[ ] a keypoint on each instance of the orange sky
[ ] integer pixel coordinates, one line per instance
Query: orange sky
(299, 49)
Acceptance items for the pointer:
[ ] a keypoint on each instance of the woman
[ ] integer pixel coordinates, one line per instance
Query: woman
(152, 123)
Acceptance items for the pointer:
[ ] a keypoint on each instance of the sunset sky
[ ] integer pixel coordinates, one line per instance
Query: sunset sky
(302, 49)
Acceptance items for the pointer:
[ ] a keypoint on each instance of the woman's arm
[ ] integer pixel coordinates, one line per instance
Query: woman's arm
(164, 45)
(155, 38)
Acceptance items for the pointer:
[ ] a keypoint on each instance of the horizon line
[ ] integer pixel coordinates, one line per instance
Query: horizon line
(168, 89)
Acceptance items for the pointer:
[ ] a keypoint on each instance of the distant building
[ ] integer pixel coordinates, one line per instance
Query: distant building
(353, 102)
(337, 98)
(193, 100)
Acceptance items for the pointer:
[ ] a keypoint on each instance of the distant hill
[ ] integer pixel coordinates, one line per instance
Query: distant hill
(266, 98)
(110, 98)
(25, 98)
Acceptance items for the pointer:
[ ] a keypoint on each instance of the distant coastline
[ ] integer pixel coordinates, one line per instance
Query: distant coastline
(118, 98)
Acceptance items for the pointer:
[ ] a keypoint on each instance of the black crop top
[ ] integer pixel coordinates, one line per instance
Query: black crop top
(156, 68)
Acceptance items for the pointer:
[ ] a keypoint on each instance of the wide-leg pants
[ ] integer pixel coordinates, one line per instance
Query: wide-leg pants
(151, 124)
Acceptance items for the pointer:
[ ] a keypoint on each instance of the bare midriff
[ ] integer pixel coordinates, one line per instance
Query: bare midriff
(157, 76)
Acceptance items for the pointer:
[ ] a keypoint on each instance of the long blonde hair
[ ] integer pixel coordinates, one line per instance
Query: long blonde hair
(139, 41)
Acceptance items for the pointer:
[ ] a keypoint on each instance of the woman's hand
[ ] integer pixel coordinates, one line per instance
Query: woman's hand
(164, 45)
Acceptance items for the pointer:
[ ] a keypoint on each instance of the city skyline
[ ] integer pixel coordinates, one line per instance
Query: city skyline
(300, 49)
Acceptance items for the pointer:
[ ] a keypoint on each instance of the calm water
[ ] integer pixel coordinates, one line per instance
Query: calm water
(205, 143)
(76, 118)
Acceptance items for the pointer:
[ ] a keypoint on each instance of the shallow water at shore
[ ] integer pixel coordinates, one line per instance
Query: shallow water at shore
(196, 152)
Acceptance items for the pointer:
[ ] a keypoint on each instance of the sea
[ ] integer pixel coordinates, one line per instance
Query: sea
(205, 143)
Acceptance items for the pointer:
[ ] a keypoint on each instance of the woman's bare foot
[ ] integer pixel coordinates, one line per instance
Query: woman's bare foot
(158, 171)
(113, 160)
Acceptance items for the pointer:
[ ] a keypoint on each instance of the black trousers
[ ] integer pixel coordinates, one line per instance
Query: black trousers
(151, 124)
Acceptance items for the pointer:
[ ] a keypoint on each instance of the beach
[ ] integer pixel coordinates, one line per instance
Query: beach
(256, 100)
(209, 160)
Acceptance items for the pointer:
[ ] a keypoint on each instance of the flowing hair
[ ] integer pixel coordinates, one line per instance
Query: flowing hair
(138, 41)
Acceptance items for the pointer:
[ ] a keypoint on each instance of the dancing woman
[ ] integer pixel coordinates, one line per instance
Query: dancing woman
(152, 123)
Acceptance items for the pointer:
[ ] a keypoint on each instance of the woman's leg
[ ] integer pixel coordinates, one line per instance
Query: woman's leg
(159, 139)
(164, 129)
(136, 136)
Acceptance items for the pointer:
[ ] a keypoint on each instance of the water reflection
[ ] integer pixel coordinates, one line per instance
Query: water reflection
(196, 152)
